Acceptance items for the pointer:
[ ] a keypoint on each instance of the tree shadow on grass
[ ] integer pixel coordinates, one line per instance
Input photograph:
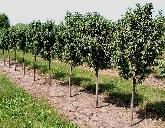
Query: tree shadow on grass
(123, 99)
(117, 98)
(43, 69)
(59, 75)
(155, 110)
(80, 81)
(91, 88)
(77, 81)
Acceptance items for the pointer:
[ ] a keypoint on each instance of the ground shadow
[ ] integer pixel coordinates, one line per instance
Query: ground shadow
(138, 122)
(112, 97)
(160, 76)
(91, 88)
(155, 110)
(59, 75)
(123, 99)
(43, 69)
(77, 81)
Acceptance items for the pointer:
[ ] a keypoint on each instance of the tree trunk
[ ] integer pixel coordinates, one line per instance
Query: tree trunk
(4, 56)
(23, 63)
(132, 99)
(15, 59)
(9, 57)
(35, 58)
(70, 73)
(97, 87)
(50, 72)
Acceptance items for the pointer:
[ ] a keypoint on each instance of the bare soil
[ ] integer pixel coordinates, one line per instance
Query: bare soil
(80, 108)
(154, 82)
(151, 80)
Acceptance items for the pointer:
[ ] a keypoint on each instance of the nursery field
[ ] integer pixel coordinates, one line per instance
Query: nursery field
(96, 72)
(115, 89)
(85, 77)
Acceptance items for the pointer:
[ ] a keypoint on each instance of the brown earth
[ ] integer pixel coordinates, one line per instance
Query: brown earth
(80, 108)
(150, 81)
(154, 82)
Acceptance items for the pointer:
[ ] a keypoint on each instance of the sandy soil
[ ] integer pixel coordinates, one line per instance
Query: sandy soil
(81, 107)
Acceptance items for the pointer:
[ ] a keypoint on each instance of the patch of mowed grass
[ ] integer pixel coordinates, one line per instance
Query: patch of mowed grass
(118, 90)
(19, 110)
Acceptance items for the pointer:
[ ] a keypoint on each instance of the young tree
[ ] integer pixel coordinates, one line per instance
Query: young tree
(22, 42)
(2, 45)
(13, 34)
(69, 42)
(98, 44)
(59, 45)
(35, 40)
(4, 25)
(4, 21)
(5, 43)
(139, 42)
(48, 39)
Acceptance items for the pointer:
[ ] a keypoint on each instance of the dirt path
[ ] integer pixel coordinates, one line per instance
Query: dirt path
(81, 107)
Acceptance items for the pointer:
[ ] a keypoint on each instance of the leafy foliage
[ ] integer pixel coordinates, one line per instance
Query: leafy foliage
(35, 37)
(139, 42)
(98, 44)
(4, 21)
(5, 39)
(48, 39)
(69, 39)
(22, 38)
(14, 38)
(4, 25)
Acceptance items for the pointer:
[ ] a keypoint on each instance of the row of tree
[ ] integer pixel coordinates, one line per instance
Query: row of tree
(132, 43)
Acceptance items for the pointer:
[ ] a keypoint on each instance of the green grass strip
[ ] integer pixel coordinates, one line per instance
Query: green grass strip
(19, 110)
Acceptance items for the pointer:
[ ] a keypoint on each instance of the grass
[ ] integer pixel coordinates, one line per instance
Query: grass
(118, 89)
(19, 110)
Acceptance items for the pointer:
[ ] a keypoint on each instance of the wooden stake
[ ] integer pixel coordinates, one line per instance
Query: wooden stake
(15, 59)
(35, 58)
(9, 57)
(4, 63)
(23, 63)
(132, 99)
(97, 87)
(50, 72)
(70, 73)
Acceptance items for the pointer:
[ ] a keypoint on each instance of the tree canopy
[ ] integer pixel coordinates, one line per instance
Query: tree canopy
(4, 21)
(139, 42)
